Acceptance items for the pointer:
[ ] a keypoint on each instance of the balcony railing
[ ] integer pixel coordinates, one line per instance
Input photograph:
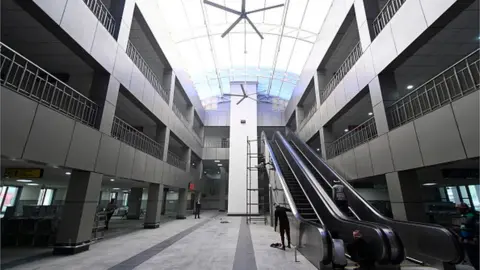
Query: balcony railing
(209, 143)
(355, 137)
(180, 115)
(174, 160)
(351, 59)
(25, 77)
(386, 15)
(311, 111)
(455, 82)
(142, 65)
(102, 13)
(131, 136)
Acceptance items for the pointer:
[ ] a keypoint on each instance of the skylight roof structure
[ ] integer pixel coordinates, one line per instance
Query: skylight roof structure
(275, 62)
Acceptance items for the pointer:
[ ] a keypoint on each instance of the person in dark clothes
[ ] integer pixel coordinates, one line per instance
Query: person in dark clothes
(197, 208)
(109, 211)
(339, 197)
(281, 215)
(360, 252)
(469, 234)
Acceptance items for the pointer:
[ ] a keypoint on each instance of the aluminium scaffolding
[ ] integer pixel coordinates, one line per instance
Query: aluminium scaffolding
(254, 159)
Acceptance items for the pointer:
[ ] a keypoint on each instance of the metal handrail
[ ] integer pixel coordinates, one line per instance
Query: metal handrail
(175, 161)
(449, 85)
(124, 132)
(342, 71)
(311, 111)
(209, 143)
(180, 115)
(25, 77)
(385, 15)
(142, 65)
(361, 134)
(102, 13)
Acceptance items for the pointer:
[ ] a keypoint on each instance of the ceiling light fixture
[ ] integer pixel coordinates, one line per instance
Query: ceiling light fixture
(32, 184)
(346, 130)
(318, 149)
(111, 180)
(68, 173)
(116, 188)
(24, 181)
(430, 184)
(219, 165)
(370, 114)
(410, 87)
(217, 160)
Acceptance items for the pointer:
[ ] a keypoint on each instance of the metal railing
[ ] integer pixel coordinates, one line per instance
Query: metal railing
(180, 115)
(25, 77)
(453, 83)
(386, 14)
(142, 65)
(174, 160)
(103, 14)
(197, 130)
(124, 132)
(311, 111)
(363, 133)
(209, 143)
(351, 59)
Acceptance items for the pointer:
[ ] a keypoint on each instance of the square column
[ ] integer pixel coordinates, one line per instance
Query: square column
(134, 203)
(78, 214)
(326, 139)
(405, 192)
(188, 159)
(222, 189)
(319, 81)
(165, 135)
(299, 115)
(154, 206)
(182, 203)
(104, 92)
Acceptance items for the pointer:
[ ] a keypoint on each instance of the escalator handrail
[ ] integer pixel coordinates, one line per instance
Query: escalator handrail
(453, 238)
(323, 233)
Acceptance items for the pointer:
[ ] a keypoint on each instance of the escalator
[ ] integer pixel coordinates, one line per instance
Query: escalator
(318, 207)
(421, 241)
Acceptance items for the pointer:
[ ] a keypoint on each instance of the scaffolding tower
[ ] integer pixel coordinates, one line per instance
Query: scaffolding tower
(253, 160)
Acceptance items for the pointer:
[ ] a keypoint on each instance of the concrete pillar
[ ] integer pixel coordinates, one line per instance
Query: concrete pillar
(104, 92)
(182, 203)
(122, 10)
(134, 203)
(320, 81)
(164, 200)
(222, 189)
(154, 206)
(78, 214)
(326, 138)
(171, 90)
(383, 92)
(405, 192)
(366, 11)
(299, 115)
(165, 134)
(191, 115)
(188, 159)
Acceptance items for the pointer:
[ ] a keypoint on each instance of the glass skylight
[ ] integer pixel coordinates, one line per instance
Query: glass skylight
(274, 62)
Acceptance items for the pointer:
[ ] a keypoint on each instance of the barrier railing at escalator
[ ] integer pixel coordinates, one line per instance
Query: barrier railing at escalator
(361, 134)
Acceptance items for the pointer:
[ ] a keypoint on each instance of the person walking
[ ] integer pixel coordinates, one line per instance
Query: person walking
(281, 215)
(197, 208)
(360, 252)
(111, 207)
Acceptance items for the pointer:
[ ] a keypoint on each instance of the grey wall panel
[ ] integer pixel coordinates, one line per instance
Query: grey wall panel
(222, 153)
(323, 114)
(433, 9)
(383, 49)
(404, 146)
(363, 161)
(113, 88)
(375, 91)
(364, 32)
(125, 161)
(54, 11)
(148, 98)
(330, 106)
(107, 157)
(83, 148)
(158, 171)
(466, 111)
(15, 130)
(137, 83)
(340, 98)
(101, 41)
(364, 69)
(158, 106)
(407, 24)
(351, 84)
(438, 137)
(150, 168)
(122, 69)
(139, 163)
(348, 165)
(382, 161)
(49, 137)
(82, 30)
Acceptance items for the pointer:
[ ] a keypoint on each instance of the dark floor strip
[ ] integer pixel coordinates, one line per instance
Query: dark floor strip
(25, 260)
(145, 255)
(244, 255)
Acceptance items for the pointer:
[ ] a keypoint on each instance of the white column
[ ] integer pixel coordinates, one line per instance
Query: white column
(221, 190)
(237, 178)
(154, 206)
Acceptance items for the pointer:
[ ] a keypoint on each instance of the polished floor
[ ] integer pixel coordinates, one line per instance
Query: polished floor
(212, 242)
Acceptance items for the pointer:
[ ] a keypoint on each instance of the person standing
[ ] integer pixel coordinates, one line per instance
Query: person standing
(111, 207)
(339, 197)
(360, 252)
(281, 215)
(197, 208)
(469, 234)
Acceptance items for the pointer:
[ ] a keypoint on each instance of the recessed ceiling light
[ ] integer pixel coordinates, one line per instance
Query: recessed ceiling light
(370, 114)
(318, 149)
(116, 188)
(193, 163)
(219, 165)
(217, 160)
(346, 130)
(24, 181)
(429, 184)
(68, 173)
(112, 180)
(410, 87)
(32, 184)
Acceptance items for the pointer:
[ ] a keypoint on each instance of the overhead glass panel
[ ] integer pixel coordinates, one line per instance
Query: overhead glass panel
(274, 62)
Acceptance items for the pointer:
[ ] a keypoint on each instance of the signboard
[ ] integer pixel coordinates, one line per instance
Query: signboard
(191, 186)
(23, 173)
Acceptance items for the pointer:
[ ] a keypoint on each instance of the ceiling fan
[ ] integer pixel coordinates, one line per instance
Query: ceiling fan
(241, 15)
(244, 96)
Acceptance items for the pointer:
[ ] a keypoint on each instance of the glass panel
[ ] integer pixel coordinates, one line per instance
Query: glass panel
(41, 197)
(125, 199)
(48, 197)
(10, 197)
(453, 195)
(463, 192)
(474, 192)
(113, 195)
(467, 202)
(443, 194)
